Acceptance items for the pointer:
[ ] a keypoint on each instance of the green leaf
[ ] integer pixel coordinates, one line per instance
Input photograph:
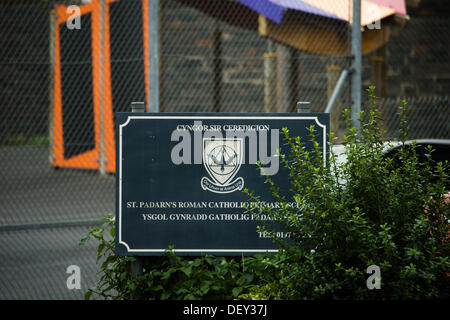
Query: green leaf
(166, 274)
(236, 291)
(246, 278)
(187, 271)
(85, 239)
(88, 294)
(182, 291)
(158, 288)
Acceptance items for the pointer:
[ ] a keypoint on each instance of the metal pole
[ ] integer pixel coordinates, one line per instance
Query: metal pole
(138, 107)
(303, 107)
(52, 30)
(101, 82)
(337, 90)
(356, 72)
(153, 47)
(217, 70)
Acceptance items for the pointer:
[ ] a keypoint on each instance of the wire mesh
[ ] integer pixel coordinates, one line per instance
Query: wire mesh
(65, 72)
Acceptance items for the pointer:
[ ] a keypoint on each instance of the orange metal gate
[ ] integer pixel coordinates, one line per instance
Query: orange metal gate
(83, 92)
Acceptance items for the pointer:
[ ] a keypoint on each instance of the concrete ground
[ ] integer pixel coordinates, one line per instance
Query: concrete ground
(44, 212)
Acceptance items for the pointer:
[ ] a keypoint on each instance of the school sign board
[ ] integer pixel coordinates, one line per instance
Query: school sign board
(180, 179)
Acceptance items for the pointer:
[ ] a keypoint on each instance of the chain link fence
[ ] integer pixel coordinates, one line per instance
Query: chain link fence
(65, 70)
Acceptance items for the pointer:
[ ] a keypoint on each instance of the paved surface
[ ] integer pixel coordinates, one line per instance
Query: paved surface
(43, 215)
(34, 263)
(31, 190)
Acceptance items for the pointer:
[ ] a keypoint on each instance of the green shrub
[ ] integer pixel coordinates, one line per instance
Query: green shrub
(174, 277)
(369, 210)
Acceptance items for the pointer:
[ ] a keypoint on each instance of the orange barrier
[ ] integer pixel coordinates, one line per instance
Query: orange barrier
(83, 118)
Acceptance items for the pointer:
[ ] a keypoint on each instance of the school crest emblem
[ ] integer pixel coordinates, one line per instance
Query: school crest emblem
(222, 159)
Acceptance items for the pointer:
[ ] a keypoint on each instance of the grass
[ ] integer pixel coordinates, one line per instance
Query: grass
(21, 140)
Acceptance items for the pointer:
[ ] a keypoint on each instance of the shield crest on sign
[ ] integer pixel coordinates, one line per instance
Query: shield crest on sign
(222, 159)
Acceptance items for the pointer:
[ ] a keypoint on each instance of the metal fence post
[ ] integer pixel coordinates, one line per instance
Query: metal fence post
(333, 98)
(336, 91)
(303, 107)
(101, 83)
(138, 106)
(51, 93)
(356, 72)
(217, 70)
(155, 57)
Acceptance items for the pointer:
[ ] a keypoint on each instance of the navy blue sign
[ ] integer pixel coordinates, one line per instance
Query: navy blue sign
(180, 179)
